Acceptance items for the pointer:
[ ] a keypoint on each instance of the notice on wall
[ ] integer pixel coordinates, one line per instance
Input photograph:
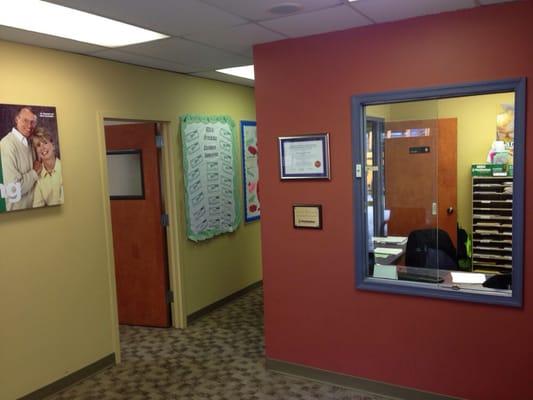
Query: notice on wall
(250, 170)
(210, 175)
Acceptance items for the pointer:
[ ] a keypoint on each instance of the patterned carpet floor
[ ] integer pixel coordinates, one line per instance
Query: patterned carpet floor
(218, 357)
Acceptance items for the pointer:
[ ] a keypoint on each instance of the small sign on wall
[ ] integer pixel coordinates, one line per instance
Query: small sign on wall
(308, 216)
(419, 150)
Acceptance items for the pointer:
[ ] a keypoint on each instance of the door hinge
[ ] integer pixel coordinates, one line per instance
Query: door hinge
(434, 208)
(164, 219)
(170, 296)
(159, 142)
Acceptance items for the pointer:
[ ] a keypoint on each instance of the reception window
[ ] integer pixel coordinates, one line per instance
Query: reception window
(439, 191)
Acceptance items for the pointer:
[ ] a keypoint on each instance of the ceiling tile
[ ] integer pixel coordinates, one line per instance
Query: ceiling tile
(258, 9)
(135, 59)
(225, 78)
(219, 33)
(391, 10)
(185, 52)
(41, 40)
(249, 53)
(172, 17)
(327, 20)
(238, 39)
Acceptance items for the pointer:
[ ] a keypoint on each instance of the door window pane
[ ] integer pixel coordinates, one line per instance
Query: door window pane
(125, 174)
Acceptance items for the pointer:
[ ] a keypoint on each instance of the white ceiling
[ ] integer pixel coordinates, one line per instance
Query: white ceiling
(206, 35)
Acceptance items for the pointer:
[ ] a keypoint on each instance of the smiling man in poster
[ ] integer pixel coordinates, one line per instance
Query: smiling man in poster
(19, 168)
(21, 164)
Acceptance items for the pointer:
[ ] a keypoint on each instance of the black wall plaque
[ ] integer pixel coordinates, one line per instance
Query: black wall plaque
(419, 150)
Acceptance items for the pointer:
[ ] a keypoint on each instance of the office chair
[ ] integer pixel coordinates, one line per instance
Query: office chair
(430, 248)
(500, 281)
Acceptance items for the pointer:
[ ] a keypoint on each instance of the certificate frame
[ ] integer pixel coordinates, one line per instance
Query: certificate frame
(307, 216)
(304, 156)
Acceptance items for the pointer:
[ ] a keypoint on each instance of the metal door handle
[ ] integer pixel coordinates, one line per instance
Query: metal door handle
(449, 210)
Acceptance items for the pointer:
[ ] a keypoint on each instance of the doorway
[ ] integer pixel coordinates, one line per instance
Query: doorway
(138, 224)
(420, 170)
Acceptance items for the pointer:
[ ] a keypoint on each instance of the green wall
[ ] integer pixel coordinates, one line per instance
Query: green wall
(57, 305)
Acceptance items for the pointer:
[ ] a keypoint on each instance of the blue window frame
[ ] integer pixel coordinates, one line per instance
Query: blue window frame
(363, 280)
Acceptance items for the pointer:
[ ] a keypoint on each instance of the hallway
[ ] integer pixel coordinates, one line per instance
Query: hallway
(220, 356)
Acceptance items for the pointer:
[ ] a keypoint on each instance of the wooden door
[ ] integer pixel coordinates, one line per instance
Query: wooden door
(138, 236)
(421, 186)
(447, 176)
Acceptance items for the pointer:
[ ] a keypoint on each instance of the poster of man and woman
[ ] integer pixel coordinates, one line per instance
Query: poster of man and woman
(30, 165)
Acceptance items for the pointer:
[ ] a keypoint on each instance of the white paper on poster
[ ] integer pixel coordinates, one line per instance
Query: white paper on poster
(209, 178)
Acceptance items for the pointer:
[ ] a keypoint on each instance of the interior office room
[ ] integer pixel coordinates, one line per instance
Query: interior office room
(458, 193)
(425, 118)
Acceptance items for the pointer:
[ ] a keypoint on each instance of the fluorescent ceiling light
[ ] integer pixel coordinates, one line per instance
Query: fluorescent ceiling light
(52, 19)
(246, 71)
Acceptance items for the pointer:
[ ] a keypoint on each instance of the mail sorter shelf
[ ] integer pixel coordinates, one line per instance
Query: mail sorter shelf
(492, 218)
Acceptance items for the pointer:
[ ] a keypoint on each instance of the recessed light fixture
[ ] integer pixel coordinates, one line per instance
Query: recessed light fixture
(246, 71)
(52, 19)
(285, 8)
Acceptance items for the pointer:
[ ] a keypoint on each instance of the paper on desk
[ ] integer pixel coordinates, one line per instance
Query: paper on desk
(468, 277)
(385, 271)
(386, 250)
(390, 239)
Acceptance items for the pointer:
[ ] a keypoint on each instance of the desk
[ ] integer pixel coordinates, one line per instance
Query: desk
(446, 279)
(388, 259)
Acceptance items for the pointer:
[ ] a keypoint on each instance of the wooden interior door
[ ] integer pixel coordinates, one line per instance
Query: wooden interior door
(421, 187)
(447, 176)
(138, 235)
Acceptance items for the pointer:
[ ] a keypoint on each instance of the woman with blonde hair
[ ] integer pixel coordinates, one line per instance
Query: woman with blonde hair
(49, 187)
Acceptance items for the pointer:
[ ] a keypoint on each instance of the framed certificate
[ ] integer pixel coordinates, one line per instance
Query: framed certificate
(304, 157)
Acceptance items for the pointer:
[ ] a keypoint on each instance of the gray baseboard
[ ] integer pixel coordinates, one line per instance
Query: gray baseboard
(211, 307)
(68, 380)
(352, 382)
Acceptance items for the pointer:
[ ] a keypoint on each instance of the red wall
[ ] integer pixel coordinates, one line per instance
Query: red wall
(313, 314)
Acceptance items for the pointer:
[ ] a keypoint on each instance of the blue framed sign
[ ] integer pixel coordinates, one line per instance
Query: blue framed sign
(250, 171)
(304, 157)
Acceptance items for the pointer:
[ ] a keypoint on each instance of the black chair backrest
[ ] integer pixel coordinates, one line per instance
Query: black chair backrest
(500, 281)
(430, 248)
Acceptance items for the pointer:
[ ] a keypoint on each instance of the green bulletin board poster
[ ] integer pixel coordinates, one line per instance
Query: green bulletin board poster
(210, 175)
